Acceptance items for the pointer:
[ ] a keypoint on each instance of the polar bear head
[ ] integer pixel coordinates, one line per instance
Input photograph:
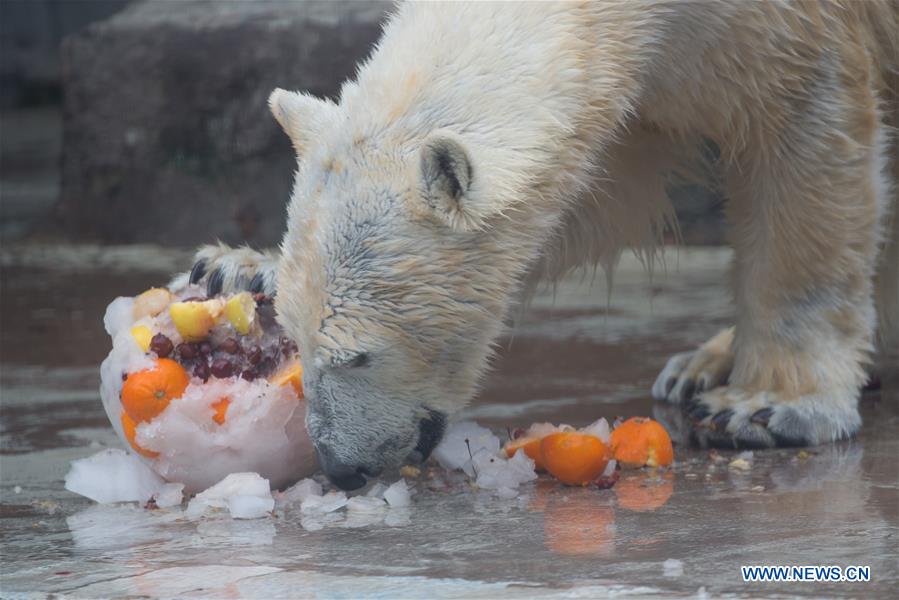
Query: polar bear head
(398, 268)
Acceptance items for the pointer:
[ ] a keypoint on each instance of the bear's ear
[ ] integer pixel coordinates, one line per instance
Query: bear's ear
(447, 179)
(300, 115)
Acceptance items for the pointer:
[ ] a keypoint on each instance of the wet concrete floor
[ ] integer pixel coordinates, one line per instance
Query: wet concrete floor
(573, 357)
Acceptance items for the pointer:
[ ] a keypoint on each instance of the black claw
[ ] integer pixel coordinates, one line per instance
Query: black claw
(257, 284)
(197, 272)
(689, 389)
(762, 416)
(721, 419)
(215, 283)
(699, 412)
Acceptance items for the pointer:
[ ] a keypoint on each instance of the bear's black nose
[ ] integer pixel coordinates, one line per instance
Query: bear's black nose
(346, 477)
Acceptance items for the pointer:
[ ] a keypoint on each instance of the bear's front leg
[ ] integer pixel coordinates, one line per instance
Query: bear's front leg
(805, 228)
(222, 269)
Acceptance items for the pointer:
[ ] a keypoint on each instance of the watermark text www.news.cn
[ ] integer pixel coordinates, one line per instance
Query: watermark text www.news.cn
(757, 573)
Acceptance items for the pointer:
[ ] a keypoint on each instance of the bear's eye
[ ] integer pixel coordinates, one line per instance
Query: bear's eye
(351, 361)
(360, 360)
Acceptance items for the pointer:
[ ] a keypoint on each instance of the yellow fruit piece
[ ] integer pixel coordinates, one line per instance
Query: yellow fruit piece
(193, 320)
(151, 303)
(292, 374)
(142, 335)
(241, 311)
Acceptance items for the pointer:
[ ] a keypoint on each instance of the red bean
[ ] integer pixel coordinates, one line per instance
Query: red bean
(222, 368)
(161, 345)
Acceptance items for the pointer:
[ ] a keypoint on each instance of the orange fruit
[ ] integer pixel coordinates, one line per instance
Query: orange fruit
(574, 458)
(640, 441)
(221, 408)
(581, 525)
(644, 494)
(531, 447)
(292, 374)
(130, 429)
(146, 393)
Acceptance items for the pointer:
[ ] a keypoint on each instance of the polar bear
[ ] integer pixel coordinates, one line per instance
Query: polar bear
(484, 144)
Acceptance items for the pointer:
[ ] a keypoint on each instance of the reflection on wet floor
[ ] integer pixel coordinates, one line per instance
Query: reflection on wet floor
(573, 357)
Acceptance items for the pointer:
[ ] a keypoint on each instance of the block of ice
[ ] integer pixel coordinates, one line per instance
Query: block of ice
(324, 504)
(169, 494)
(498, 473)
(113, 476)
(462, 441)
(234, 485)
(377, 490)
(250, 507)
(397, 495)
(599, 428)
(365, 504)
(264, 430)
(299, 492)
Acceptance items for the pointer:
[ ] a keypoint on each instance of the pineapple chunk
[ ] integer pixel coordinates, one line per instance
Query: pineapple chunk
(193, 320)
(151, 303)
(142, 335)
(241, 311)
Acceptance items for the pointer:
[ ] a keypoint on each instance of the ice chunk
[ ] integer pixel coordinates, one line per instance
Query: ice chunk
(220, 495)
(324, 504)
(500, 473)
(377, 490)
(599, 428)
(365, 504)
(169, 494)
(540, 430)
(610, 468)
(250, 507)
(462, 441)
(397, 495)
(113, 476)
(299, 492)
(672, 568)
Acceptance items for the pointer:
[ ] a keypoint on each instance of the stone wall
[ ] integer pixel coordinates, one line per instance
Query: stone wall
(167, 136)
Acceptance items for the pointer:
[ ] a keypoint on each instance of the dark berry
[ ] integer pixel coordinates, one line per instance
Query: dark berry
(187, 351)
(249, 374)
(161, 345)
(202, 371)
(222, 368)
(124, 376)
(254, 355)
(266, 366)
(205, 348)
(230, 346)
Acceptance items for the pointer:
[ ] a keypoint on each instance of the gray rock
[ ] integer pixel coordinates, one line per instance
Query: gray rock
(167, 136)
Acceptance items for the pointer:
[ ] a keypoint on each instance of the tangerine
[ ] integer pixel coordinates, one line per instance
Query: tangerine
(130, 430)
(574, 458)
(146, 393)
(639, 442)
